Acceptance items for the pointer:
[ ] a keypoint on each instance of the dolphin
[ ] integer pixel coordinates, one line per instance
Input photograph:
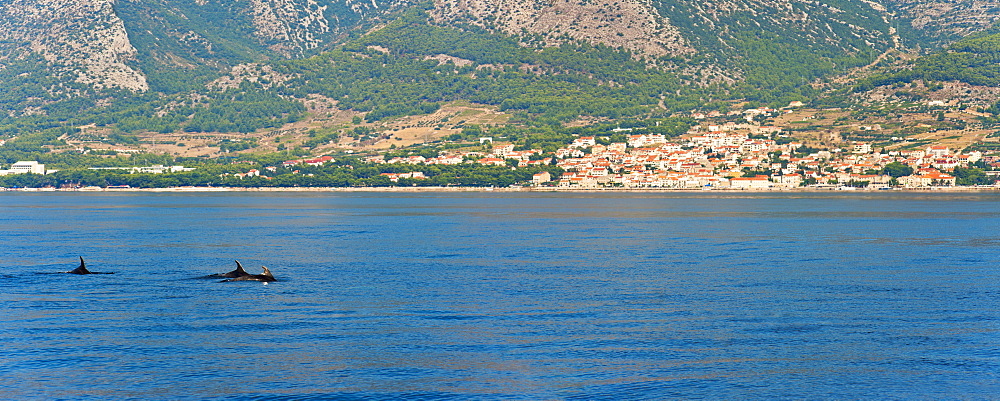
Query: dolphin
(83, 269)
(266, 277)
(80, 270)
(238, 272)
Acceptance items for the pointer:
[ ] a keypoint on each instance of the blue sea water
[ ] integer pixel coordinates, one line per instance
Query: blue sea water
(501, 296)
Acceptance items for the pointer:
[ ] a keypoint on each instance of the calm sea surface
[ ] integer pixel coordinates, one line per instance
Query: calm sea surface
(500, 296)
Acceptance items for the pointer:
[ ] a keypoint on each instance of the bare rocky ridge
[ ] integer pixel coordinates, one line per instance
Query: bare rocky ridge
(294, 25)
(812, 20)
(948, 19)
(87, 40)
(628, 24)
(84, 37)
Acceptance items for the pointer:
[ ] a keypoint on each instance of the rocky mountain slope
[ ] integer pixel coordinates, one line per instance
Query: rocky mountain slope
(156, 64)
(936, 22)
(86, 40)
(629, 24)
(124, 43)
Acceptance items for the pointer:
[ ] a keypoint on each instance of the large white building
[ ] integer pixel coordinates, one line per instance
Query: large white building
(24, 167)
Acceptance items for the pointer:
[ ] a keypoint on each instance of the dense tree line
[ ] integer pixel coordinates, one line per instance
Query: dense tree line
(357, 175)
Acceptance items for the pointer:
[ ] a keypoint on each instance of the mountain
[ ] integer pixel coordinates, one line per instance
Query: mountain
(966, 72)
(87, 39)
(244, 65)
(125, 43)
(932, 23)
(633, 25)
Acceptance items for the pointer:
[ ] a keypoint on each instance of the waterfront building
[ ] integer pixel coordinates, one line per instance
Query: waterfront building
(25, 167)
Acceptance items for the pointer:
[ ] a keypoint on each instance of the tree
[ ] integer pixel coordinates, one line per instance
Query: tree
(897, 169)
(972, 176)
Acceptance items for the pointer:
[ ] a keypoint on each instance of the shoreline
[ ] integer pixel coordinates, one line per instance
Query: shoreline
(509, 189)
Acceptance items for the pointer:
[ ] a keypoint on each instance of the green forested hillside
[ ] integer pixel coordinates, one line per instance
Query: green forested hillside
(779, 47)
(554, 84)
(974, 60)
(395, 70)
(182, 45)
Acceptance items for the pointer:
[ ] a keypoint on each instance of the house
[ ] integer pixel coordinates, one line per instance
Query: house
(492, 161)
(755, 146)
(446, 159)
(583, 142)
(251, 173)
(766, 129)
(562, 153)
(758, 182)
(580, 181)
(788, 180)
(540, 162)
(935, 179)
(501, 150)
(416, 175)
(946, 163)
(319, 161)
(617, 147)
(643, 140)
(417, 159)
(937, 151)
(521, 154)
(540, 178)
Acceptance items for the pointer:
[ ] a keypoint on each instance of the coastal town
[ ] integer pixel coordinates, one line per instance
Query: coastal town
(740, 153)
(720, 157)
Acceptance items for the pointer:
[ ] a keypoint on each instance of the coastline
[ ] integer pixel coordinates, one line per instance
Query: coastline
(509, 189)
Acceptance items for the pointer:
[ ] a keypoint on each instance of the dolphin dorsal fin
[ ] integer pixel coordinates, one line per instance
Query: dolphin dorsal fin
(82, 269)
(267, 272)
(239, 268)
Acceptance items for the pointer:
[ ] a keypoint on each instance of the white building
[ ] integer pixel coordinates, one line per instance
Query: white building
(160, 169)
(542, 177)
(24, 167)
(501, 150)
(643, 140)
(758, 182)
(937, 151)
(583, 142)
(154, 169)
